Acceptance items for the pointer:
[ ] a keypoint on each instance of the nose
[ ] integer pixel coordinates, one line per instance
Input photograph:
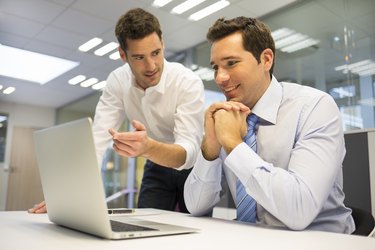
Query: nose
(150, 64)
(221, 76)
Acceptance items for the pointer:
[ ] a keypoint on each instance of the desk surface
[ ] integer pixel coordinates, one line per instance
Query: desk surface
(20, 230)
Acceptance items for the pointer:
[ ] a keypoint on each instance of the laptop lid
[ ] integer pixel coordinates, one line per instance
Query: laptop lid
(73, 187)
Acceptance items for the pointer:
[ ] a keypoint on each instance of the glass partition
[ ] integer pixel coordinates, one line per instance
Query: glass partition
(339, 58)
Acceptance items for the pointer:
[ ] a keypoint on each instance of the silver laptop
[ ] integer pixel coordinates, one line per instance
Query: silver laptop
(73, 188)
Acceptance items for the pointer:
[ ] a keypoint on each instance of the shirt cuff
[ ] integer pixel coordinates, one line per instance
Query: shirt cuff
(190, 156)
(243, 161)
(208, 171)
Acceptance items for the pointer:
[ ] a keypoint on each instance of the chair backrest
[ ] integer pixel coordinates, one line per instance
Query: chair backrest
(364, 222)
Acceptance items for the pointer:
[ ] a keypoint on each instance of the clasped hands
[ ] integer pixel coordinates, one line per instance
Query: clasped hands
(225, 126)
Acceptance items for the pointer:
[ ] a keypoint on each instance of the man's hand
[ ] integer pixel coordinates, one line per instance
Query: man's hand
(211, 145)
(230, 128)
(40, 208)
(133, 143)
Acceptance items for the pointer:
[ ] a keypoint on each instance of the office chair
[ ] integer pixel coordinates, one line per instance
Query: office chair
(364, 222)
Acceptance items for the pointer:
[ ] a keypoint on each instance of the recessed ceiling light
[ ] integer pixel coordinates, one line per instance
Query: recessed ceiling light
(115, 56)
(32, 66)
(185, 6)
(161, 3)
(99, 85)
(89, 82)
(209, 10)
(9, 90)
(90, 44)
(77, 79)
(106, 49)
(288, 40)
(362, 68)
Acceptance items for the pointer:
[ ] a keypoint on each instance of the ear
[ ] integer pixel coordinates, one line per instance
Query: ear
(122, 54)
(267, 58)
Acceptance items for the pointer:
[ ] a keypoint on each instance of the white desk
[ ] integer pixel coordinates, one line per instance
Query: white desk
(20, 230)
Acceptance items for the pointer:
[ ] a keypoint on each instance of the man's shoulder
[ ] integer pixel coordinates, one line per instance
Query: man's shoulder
(295, 89)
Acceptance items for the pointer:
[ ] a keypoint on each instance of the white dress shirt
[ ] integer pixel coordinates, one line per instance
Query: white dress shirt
(172, 110)
(296, 174)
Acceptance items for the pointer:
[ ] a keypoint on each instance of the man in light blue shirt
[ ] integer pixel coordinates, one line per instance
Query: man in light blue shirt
(295, 175)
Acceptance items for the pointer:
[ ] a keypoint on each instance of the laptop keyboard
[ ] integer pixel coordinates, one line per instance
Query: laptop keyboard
(124, 227)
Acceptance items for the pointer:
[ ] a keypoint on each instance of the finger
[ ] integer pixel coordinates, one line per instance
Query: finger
(112, 131)
(37, 207)
(239, 106)
(138, 125)
(41, 210)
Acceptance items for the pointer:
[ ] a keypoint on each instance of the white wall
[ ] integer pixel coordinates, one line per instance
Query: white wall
(23, 116)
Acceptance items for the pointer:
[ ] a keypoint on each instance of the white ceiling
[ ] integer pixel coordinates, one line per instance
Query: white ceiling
(59, 27)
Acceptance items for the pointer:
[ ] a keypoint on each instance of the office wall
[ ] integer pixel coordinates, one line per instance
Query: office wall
(22, 116)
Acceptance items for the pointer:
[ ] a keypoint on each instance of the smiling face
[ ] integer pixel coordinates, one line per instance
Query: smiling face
(146, 59)
(237, 73)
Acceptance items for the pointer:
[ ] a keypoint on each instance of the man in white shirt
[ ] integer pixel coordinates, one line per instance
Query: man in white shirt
(164, 102)
(295, 173)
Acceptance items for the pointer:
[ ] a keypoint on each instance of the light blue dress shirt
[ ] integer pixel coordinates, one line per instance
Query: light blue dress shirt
(296, 174)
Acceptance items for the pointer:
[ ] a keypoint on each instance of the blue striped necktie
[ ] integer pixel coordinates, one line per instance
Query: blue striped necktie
(246, 205)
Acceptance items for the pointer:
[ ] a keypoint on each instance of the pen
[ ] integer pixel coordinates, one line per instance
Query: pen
(120, 211)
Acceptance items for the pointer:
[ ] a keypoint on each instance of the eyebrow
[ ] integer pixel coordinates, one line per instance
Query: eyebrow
(137, 55)
(225, 59)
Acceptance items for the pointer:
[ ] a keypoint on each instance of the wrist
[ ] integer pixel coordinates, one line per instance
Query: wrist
(230, 145)
(210, 151)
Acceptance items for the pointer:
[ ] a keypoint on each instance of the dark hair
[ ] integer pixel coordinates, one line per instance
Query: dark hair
(256, 35)
(136, 24)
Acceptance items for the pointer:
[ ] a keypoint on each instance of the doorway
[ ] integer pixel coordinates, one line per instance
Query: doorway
(24, 185)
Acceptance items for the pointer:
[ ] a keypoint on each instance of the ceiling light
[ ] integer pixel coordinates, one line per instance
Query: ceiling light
(32, 66)
(9, 90)
(281, 33)
(115, 56)
(77, 79)
(160, 3)
(106, 49)
(296, 37)
(99, 85)
(362, 68)
(300, 45)
(209, 10)
(185, 6)
(288, 40)
(90, 44)
(89, 82)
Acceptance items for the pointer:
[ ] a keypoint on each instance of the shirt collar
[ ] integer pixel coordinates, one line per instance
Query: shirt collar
(268, 105)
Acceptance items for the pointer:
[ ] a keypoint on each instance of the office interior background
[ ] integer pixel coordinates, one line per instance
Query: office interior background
(325, 44)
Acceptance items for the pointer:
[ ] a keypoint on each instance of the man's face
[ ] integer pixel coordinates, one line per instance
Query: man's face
(237, 73)
(146, 59)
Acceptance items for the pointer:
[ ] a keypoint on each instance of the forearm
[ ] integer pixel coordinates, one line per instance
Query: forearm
(164, 154)
(203, 186)
(292, 196)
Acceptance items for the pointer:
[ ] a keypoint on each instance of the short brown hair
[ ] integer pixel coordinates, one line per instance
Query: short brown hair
(136, 24)
(256, 35)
